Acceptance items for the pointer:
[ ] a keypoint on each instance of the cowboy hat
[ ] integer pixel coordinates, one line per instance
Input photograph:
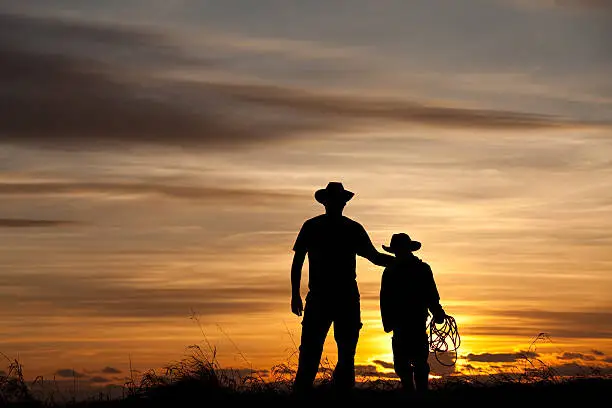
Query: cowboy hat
(401, 242)
(333, 191)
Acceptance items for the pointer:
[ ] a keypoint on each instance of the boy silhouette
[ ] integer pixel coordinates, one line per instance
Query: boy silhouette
(408, 293)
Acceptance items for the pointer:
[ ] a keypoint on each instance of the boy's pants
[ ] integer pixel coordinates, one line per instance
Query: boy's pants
(410, 354)
(319, 313)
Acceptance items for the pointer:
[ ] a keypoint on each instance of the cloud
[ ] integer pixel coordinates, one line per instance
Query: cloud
(500, 357)
(68, 373)
(590, 5)
(371, 371)
(70, 99)
(121, 296)
(443, 364)
(437, 368)
(561, 324)
(111, 370)
(598, 352)
(99, 379)
(383, 364)
(573, 369)
(579, 324)
(180, 191)
(32, 223)
(576, 356)
(66, 99)
(598, 4)
(241, 373)
(344, 108)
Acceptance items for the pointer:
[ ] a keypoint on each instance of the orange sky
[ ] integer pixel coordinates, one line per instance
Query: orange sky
(160, 160)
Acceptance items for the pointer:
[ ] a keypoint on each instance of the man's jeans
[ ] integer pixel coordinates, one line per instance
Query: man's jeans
(319, 313)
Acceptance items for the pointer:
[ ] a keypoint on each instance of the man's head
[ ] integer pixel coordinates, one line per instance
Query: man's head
(402, 245)
(334, 197)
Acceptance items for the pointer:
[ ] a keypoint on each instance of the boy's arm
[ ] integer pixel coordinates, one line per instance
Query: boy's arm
(434, 300)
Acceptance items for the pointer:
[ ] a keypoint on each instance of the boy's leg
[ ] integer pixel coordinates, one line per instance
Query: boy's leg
(401, 360)
(315, 325)
(421, 366)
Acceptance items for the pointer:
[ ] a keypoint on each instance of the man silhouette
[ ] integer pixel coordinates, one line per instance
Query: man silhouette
(332, 242)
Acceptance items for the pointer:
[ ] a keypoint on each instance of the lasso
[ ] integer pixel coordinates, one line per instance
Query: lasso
(443, 338)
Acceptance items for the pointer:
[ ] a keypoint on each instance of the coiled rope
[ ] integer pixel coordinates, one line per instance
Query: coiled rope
(444, 338)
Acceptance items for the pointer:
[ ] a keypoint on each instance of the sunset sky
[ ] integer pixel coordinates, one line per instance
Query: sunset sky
(157, 159)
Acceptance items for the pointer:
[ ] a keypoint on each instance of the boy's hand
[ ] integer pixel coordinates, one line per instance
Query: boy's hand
(439, 317)
(297, 307)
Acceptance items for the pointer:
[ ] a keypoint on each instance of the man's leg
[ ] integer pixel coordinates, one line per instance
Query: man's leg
(315, 325)
(347, 325)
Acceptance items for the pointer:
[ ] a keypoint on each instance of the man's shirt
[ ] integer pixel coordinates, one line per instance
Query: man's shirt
(332, 244)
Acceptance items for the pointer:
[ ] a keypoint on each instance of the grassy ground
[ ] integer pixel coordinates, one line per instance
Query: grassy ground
(199, 381)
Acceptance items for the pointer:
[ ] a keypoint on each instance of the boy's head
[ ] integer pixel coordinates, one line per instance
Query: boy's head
(402, 245)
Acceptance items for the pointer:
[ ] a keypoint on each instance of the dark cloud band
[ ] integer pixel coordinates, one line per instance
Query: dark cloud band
(68, 98)
(32, 223)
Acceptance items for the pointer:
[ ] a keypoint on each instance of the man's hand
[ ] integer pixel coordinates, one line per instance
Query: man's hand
(297, 306)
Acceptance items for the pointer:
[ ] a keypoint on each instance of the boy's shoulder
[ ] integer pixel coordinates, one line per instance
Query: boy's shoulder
(398, 265)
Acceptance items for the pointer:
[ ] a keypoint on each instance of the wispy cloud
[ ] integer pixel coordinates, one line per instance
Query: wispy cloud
(188, 192)
(573, 370)
(114, 296)
(99, 379)
(68, 373)
(68, 100)
(500, 357)
(577, 324)
(581, 4)
(597, 4)
(372, 371)
(383, 364)
(576, 356)
(33, 223)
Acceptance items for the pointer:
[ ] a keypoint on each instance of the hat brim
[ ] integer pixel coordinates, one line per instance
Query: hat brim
(323, 196)
(414, 246)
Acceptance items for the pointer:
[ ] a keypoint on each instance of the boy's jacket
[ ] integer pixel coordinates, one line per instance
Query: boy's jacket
(408, 290)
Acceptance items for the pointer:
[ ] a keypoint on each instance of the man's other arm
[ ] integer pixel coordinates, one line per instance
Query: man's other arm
(297, 307)
(300, 248)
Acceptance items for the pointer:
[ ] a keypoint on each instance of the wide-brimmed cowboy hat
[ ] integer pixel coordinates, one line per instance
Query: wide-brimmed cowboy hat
(402, 242)
(333, 192)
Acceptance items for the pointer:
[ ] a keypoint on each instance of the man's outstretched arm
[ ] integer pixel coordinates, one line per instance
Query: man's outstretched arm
(378, 258)
(367, 250)
(297, 306)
